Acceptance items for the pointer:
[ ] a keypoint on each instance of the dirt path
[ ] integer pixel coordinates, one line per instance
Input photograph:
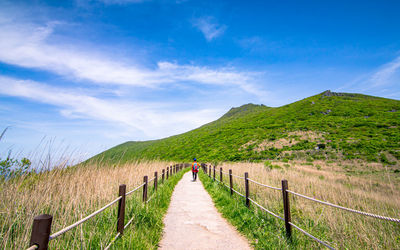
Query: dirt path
(193, 222)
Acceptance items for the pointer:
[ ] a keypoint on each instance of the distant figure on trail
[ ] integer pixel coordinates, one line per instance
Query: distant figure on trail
(195, 169)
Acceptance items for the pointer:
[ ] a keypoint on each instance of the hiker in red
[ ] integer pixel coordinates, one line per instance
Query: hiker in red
(195, 169)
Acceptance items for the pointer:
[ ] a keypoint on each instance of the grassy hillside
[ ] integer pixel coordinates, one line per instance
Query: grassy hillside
(325, 126)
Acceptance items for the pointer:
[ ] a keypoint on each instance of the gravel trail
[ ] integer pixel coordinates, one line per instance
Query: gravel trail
(193, 222)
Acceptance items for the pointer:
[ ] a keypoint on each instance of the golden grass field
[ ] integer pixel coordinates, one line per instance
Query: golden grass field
(368, 187)
(67, 194)
(72, 193)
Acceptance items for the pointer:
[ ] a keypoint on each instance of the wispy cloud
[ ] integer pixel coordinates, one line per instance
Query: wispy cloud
(209, 26)
(376, 80)
(384, 74)
(151, 119)
(32, 46)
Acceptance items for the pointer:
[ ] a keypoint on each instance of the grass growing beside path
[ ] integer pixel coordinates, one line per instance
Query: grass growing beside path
(262, 230)
(69, 194)
(146, 229)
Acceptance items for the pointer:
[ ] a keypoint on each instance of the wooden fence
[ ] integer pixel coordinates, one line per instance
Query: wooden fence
(41, 228)
(285, 200)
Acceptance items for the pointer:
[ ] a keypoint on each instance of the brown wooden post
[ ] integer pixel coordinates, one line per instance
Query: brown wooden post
(145, 188)
(170, 170)
(121, 209)
(220, 174)
(155, 180)
(163, 175)
(167, 172)
(214, 173)
(41, 229)
(209, 171)
(246, 183)
(231, 181)
(286, 208)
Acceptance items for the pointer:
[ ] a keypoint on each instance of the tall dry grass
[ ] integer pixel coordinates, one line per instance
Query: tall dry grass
(67, 194)
(371, 188)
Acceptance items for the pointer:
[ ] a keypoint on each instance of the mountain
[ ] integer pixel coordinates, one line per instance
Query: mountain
(329, 125)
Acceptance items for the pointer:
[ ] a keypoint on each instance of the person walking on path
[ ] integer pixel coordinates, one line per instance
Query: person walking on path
(195, 169)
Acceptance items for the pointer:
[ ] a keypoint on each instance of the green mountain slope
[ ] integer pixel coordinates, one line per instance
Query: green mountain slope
(325, 126)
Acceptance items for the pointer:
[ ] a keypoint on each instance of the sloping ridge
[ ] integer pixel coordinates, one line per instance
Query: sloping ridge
(356, 125)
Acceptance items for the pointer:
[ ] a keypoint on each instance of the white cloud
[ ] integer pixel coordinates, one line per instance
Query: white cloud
(375, 81)
(33, 46)
(152, 119)
(385, 73)
(210, 28)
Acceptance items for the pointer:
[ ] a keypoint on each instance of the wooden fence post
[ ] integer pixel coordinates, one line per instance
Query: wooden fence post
(170, 170)
(145, 188)
(209, 171)
(220, 175)
(286, 208)
(41, 229)
(246, 183)
(214, 173)
(155, 180)
(231, 181)
(167, 172)
(121, 209)
(163, 175)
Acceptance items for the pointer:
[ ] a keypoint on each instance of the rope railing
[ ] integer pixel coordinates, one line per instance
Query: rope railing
(112, 241)
(266, 210)
(238, 193)
(345, 208)
(225, 173)
(237, 176)
(40, 235)
(151, 197)
(66, 229)
(232, 188)
(258, 183)
(34, 247)
(135, 189)
(285, 192)
(312, 237)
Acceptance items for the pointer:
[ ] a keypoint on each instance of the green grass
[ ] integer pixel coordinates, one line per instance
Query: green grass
(262, 230)
(358, 127)
(147, 228)
(143, 233)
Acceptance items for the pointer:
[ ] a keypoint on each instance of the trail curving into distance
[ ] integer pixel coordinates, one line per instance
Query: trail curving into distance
(193, 222)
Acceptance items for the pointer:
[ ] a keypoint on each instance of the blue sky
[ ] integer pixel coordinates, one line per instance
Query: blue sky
(86, 75)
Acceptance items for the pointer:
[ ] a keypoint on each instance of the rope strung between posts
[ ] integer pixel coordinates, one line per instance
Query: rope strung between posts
(55, 235)
(150, 180)
(135, 189)
(237, 176)
(129, 222)
(313, 237)
(230, 187)
(266, 210)
(238, 193)
(149, 199)
(34, 247)
(347, 209)
(225, 173)
(115, 238)
(280, 189)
